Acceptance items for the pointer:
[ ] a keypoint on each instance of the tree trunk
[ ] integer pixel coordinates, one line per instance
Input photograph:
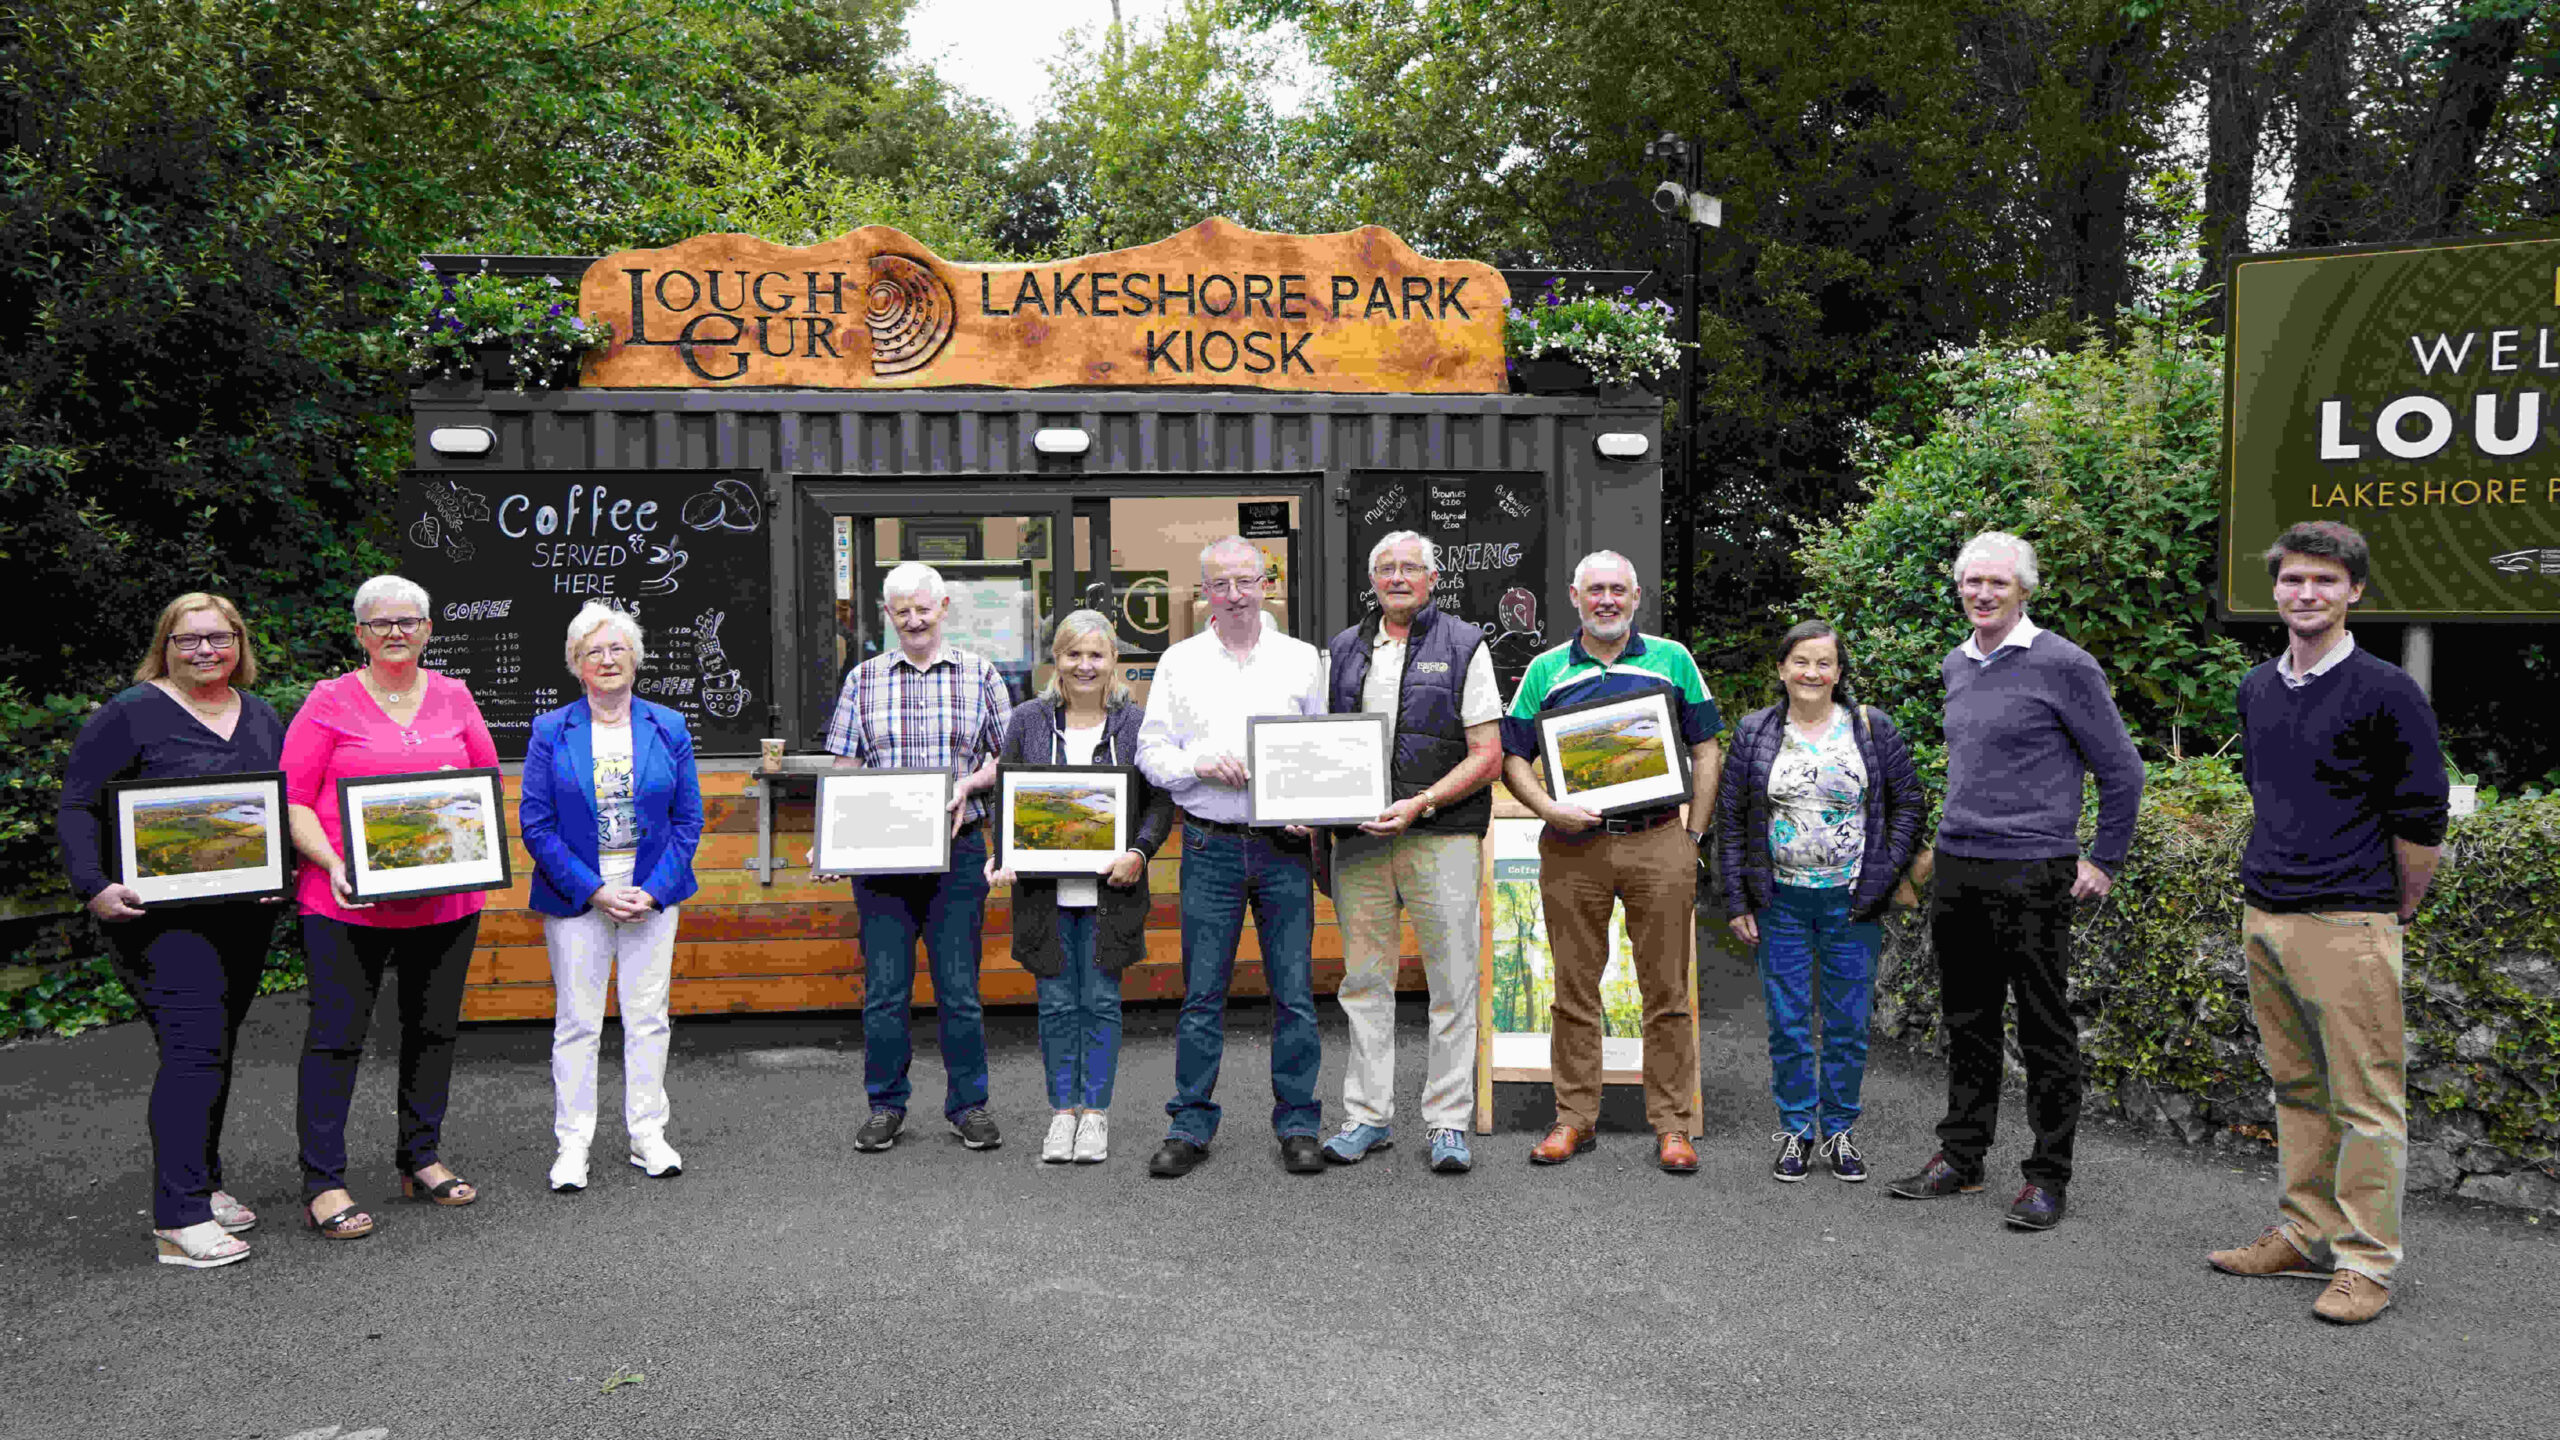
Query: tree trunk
(2101, 188)
(2327, 175)
(2446, 165)
(2235, 119)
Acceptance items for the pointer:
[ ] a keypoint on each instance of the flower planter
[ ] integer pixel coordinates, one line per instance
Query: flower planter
(1549, 375)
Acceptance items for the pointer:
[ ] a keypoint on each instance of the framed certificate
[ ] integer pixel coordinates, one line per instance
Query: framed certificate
(436, 832)
(205, 838)
(883, 822)
(1315, 769)
(1613, 756)
(1063, 819)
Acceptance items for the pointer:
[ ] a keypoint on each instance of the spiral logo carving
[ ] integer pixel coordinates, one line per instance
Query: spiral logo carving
(910, 315)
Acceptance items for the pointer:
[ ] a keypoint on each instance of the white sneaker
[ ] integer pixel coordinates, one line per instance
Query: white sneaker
(1093, 1138)
(656, 1158)
(1059, 1145)
(569, 1172)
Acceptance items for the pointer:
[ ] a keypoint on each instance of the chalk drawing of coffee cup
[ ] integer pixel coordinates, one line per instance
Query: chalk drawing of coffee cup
(723, 696)
(664, 582)
(729, 504)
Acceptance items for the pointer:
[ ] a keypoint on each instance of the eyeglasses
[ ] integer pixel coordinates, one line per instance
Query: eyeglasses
(405, 624)
(214, 640)
(603, 653)
(1400, 569)
(1234, 587)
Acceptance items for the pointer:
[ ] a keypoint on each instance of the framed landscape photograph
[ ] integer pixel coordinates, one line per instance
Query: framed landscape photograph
(1315, 769)
(206, 838)
(883, 822)
(436, 832)
(1613, 756)
(1062, 819)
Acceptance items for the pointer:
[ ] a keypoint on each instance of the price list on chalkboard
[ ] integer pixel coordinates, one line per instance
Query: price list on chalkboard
(1492, 532)
(509, 558)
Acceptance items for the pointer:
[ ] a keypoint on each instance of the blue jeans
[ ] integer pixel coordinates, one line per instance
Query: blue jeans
(1079, 1018)
(1222, 873)
(948, 912)
(1801, 929)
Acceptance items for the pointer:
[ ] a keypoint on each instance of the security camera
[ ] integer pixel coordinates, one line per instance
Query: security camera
(1670, 197)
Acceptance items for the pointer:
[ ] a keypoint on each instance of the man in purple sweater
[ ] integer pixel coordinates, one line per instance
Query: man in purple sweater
(2028, 715)
(2349, 790)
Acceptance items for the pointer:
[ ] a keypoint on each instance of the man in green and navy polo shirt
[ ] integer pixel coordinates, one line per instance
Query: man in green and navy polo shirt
(1587, 863)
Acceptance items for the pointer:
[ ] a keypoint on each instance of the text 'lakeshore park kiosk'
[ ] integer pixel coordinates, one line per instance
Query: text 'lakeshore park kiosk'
(772, 429)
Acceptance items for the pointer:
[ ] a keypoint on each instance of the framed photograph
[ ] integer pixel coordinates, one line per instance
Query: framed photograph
(206, 838)
(883, 822)
(1316, 769)
(436, 832)
(1063, 819)
(1613, 756)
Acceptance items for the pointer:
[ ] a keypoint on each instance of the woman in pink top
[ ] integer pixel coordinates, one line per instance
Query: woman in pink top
(387, 717)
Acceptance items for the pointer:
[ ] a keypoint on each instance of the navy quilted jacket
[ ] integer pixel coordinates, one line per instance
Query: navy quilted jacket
(1895, 810)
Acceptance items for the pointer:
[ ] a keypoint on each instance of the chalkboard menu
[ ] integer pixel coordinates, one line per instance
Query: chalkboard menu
(1492, 532)
(509, 557)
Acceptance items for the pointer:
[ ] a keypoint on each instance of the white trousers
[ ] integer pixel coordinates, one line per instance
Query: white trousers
(585, 950)
(1436, 879)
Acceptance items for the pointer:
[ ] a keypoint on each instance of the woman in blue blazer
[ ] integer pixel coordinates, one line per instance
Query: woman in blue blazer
(612, 812)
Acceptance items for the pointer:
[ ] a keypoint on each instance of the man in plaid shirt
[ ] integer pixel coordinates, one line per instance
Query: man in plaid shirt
(924, 705)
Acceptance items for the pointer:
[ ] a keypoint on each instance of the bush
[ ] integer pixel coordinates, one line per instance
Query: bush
(69, 999)
(2102, 457)
(2161, 986)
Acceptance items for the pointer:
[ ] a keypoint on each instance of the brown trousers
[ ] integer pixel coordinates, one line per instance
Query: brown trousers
(2326, 989)
(1656, 874)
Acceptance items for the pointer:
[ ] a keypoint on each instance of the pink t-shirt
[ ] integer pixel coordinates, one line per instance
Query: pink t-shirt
(341, 730)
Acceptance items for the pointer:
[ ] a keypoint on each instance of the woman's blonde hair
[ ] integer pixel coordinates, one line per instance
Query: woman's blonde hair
(155, 661)
(1077, 625)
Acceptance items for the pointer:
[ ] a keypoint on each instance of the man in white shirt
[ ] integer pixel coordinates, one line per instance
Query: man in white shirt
(1431, 675)
(1193, 745)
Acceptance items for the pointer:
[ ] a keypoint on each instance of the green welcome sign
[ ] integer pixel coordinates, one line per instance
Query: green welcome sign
(2409, 391)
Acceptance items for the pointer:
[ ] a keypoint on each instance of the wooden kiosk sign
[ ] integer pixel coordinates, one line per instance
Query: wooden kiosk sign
(1218, 304)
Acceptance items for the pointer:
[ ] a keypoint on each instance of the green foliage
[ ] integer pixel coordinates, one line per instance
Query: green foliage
(440, 325)
(35, 747)
(2103, 457)
(731, 179)
(1624, 341)
(2160, 982)
(69, 999)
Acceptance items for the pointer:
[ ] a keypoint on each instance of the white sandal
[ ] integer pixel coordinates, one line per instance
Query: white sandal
(200, 1246)
(231, 1215)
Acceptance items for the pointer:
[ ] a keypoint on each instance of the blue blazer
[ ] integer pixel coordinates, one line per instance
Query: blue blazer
(558, 815)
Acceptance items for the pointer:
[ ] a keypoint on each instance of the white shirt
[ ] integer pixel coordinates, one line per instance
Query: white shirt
(1080, 892)
(2337, 653)
(2022, 635)
(1198, 705)
(1383, 692)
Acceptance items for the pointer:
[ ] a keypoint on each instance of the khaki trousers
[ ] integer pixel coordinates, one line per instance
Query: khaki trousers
(2326, 989)
(1437, 880)
(1656, 874)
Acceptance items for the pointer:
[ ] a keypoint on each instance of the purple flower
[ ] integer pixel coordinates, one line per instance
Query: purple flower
(554, 310)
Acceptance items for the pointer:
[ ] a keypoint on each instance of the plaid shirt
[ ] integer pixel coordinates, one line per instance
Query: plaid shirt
(947, 715)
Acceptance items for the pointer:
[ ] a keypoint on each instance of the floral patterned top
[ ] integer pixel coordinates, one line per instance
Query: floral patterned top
(1817, 807)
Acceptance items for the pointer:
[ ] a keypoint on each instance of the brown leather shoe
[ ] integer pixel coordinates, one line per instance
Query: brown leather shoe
(2352, 1299)
(1675, 1154)
(2269, 1254)
(1563, 1142)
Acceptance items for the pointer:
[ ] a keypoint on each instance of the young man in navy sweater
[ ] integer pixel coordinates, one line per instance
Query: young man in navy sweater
(2344, 769)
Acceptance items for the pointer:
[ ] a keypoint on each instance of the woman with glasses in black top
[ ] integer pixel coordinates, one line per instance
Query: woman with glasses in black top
(193, 969)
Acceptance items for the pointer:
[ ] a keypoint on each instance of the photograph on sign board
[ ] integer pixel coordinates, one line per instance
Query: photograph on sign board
(1062, 819)
(437, 832)
(212, 837)
(883, 822)
(1520, 1008)
(1315, 769)
(1612, 756)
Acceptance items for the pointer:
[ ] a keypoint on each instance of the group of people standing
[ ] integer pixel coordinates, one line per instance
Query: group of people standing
(1817, 811)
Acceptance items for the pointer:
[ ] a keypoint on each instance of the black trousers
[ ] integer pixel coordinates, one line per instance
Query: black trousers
(2003, 927)
(347, 963)
(193, 969)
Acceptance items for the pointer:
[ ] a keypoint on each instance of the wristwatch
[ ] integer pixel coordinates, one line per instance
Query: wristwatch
(1698, 838)
(1428, 809)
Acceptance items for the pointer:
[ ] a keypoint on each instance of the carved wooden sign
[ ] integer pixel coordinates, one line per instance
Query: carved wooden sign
(1217, 305)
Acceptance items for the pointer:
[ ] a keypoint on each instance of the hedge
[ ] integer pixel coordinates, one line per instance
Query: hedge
(2162, 989)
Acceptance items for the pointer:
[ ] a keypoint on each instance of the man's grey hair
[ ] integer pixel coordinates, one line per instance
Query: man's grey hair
(1078, 625)
(1993, 543)
(1598, 558)
(912, 578)
(391, 590)
(1430, 550)
(595, 615)
(1235, 544)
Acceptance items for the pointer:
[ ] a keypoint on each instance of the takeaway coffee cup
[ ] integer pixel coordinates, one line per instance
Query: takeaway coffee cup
(772, 754)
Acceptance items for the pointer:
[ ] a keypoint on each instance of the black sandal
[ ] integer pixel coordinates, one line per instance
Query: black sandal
(413, 1188)
(350, 1223)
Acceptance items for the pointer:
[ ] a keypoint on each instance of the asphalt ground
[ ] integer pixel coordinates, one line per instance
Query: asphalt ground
(787, 1286)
